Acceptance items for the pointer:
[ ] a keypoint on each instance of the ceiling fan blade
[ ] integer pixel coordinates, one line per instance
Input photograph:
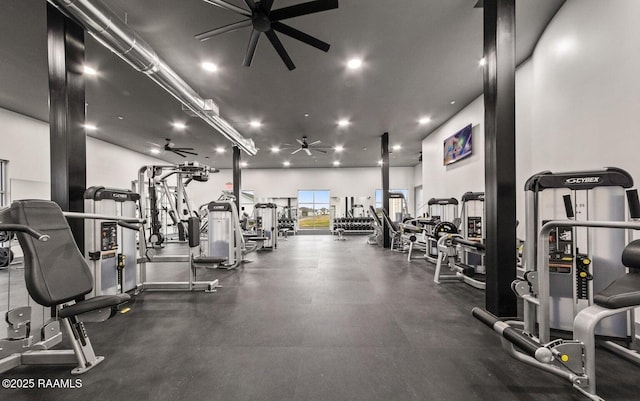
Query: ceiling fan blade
(307, 151)
(273, 38)
(303, 9)
(266, 5)
(179, 153)
(301, 36)
(223, 29)
(187, 152)
(318, 150)
(251, 49)
(228, 6)
(296, 151)
(251, 4)
(300, 142)
(314, 142)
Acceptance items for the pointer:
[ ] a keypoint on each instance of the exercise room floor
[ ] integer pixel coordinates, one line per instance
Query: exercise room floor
(314, 320)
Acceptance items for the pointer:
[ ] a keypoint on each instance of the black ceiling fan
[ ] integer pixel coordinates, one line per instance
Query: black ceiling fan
(308, 147)
(267, 21)
(183, 152)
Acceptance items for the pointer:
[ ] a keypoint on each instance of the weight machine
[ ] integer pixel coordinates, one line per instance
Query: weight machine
(572, 278)
(149, 178)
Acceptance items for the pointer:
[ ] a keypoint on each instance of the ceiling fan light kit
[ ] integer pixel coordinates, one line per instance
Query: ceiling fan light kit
(263, 19)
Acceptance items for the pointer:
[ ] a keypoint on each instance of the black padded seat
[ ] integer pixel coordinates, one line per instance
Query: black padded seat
(471, 244)
(95, 303)
(255, 238)
(624, 291)
(209, 259)
(55, 271)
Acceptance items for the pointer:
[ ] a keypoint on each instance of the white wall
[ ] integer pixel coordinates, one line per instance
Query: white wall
(112, 166)
(441, 181)
(25, 144)
(576, 99)
(285, 183)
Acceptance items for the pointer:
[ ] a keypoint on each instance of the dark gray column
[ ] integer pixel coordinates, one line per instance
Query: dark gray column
(67, 116)
(237, 177)
(500, 167)
(385, 185)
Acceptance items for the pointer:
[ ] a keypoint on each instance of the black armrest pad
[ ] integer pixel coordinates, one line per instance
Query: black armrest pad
(91, 304)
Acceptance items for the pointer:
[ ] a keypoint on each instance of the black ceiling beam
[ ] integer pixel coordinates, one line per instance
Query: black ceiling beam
(500, 166)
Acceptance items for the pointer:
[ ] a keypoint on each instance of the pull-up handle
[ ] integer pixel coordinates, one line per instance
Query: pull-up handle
(634, 203)
(568, 206)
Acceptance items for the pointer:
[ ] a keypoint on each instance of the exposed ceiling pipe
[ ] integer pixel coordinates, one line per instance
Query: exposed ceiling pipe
(108, 29)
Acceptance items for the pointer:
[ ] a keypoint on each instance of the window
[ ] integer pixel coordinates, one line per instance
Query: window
(314, 211)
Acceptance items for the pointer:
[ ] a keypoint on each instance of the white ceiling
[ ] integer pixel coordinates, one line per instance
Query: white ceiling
(419, 55)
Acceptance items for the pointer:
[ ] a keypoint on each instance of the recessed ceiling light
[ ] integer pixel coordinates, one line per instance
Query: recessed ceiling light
(244, 164)
(379, 162)
(210, 67)
(155, 151)
(220, 149)
(286, 164)
(354, 63)
(338, 148)
(565, 45)
(255, 124)
(453, 102)
(397, 147)
(89, 70)
(424, 120)
(90, 127)
(306, 114)
(179, 125)
(482, 62)
(336, 162)
(120, 118)
(275, 149)
(343, 123)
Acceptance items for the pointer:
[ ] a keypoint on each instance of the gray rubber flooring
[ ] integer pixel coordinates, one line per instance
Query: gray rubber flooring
(314, 320)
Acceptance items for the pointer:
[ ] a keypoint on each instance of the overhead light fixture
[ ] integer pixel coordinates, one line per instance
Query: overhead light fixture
(306, 114)
(90, 127)
(286, 163)
(220, 149)
(343, 123)
(244, 164)
(255, 124)
(354, 64)
(397, 147)
(155, 151)
(424, 120)
(482, 62)
(453, 102)
(275, 149)
(89, 70)
(338, 148)
(336, 162)
(179, 125)
(209, 67)
(380, 162)
(120, 118)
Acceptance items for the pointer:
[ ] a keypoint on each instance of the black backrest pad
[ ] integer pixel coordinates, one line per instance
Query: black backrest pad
(631, 255)
(54, 271)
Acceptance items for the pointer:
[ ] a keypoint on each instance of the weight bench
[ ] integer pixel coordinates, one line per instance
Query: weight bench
(56, 276)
